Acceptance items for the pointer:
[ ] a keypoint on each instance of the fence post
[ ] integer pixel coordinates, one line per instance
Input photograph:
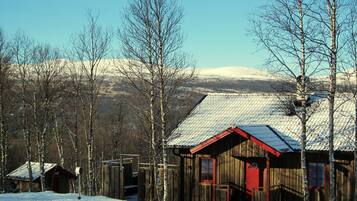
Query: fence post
(121, 176)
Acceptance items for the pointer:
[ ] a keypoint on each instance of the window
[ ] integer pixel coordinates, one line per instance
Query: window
(316, 175)
(206, 170)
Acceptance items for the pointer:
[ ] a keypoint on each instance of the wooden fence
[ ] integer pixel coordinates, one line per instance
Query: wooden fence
(116, 174)
(146, 188)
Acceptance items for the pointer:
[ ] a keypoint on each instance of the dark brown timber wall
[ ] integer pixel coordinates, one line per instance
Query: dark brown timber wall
(285, 172)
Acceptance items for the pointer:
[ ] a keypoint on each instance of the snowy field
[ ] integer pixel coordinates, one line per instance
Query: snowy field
(51, 196)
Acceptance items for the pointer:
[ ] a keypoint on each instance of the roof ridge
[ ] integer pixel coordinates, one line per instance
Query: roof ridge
(245, 94)
(263, 93)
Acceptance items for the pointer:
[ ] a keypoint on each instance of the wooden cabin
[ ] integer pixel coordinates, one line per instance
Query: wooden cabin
(247, 147)
(57, 178)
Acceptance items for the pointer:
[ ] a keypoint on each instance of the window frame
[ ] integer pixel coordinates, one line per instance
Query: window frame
(319, 174)
(207, 181)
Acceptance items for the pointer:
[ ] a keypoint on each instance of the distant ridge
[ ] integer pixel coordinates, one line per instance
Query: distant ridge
(236, 72)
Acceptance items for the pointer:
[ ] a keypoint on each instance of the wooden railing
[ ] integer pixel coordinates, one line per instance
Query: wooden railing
(277, 193)
(220, 192)
(258, 194)
(231, 192)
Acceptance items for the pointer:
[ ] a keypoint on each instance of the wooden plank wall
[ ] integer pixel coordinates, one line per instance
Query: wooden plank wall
(187, 177)
(344, 180)
(145, 182)
(112, 181)
(285, 171)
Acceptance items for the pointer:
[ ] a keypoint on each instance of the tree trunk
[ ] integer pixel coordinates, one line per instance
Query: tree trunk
(355, 150)
(39, 143)
(355, 97)
(27, 135)
(2, 134)
(163, 136)
(153, 138)
(59, 143)
(76, 133)
(304, 109)
(42, 146)
(149, 35)
(90, 144)
(163, 122)
(42, 161)
(332, 90)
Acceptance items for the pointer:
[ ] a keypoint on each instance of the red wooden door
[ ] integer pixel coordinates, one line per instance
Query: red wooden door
(252, 176)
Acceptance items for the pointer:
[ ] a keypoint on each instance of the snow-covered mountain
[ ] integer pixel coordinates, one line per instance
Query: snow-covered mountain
(235, 72)
(110, 67)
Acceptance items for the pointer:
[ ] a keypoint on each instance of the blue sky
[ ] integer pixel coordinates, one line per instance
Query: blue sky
(215, 30)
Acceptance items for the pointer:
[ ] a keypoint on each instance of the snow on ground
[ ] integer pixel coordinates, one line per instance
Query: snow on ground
(51, 196)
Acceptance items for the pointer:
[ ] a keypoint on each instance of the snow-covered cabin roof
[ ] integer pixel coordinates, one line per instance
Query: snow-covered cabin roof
(21, 173)
(217, 112)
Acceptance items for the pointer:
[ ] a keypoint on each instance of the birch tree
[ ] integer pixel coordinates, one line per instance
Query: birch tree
(283, 29)
(5, 85)
(72, 120)
(152, 42)
(59, 140)
(352, 83)
(353, 51)
(46, 83)
(90, 47)
(170, 63)
(332, 10)
(329, 16)
(21, 49)
(137, 46)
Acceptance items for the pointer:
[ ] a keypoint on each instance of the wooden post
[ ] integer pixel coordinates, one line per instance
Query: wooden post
(121, 172)
(214, 179)
(182, 180)
(192, 182)
(267, 179)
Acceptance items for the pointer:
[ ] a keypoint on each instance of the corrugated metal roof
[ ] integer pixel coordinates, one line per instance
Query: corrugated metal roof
(271, 137)
(22, 173)
(217, 112)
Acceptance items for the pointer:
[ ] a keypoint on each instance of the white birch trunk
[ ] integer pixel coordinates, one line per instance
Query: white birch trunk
(26, 133)
(355, 144)
(332, 90)
(2, 134)
(304, 107)
(59, 143)
(163, 119)
(354, 51)
(90, 139)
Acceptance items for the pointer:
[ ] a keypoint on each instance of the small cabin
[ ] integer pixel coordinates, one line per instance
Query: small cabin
(57, 178)
(247, 147)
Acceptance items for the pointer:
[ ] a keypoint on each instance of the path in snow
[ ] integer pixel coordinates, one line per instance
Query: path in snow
(51, 196)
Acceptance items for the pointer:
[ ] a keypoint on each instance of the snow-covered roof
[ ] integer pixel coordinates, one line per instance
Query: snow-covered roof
(217, 112)
(21, 173)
